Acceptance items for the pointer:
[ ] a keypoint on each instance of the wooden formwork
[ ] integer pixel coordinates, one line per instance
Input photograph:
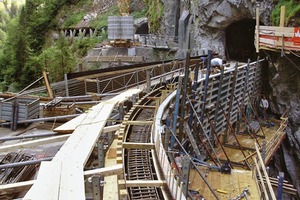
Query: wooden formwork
(27, 108)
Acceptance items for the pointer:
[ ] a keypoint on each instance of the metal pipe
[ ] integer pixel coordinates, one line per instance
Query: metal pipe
(199, 172)
(41, 119)
(218, 139)
(205, 86)
(27, 136)
(20, 164)
(246, 120)
(202, 129)
(235, 136)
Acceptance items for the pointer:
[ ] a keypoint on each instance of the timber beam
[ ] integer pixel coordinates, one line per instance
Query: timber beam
(25, 185)
(137, 123)
(142, 183)
(131, 145)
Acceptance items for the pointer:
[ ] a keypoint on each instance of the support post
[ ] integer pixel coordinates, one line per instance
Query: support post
(66, 85)
(15, 113)
(280, 186)
(257, 26)
(96, 188)
(196, 74)
(282, 16)
(231, 101)
(263, 151)
(175, 116)
(205, 86)
(148, 81)
(185, 174)
(184, 91)
(49, 90)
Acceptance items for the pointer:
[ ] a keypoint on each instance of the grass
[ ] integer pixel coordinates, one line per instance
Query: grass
(101, 21)
(291, 9)
(73, 20)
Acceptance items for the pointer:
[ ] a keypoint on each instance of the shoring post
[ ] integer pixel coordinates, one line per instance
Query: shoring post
(280, 186)
(96, 187)
(264, 151)
(184, 91)
(213, 126)
(196, 74)
(246, 120)
(205, 85)
(186, 164)
(175, 115)
(196, 168)
(235, 136)
(231, 101)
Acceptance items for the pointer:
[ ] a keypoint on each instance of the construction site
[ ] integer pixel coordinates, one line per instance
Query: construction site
(143, 129)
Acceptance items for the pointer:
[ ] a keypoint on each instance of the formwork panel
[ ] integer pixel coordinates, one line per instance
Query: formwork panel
(28, 108)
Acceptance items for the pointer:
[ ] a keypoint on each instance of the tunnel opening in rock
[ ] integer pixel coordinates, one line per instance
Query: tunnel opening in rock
(143, 28)
(240, 40)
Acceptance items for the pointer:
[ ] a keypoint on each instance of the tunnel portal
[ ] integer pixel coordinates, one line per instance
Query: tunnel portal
(240, 40)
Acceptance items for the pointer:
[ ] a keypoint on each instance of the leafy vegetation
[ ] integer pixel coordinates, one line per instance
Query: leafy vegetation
(155, 12)
(73, 20)
(26, 50)
(27, 46)
(102, 21)
(291, 8)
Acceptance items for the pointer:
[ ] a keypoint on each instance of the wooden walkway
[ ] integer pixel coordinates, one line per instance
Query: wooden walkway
(63, 177)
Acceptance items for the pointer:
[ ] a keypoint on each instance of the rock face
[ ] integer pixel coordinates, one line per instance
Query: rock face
(284, 79)
(210, 20)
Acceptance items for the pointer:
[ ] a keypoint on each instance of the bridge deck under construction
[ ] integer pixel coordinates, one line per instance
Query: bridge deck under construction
(145, 121)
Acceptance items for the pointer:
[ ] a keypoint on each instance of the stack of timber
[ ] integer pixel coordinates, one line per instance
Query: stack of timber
(279, 38)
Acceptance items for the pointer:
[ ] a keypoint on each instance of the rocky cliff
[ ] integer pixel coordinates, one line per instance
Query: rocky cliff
(211, 19)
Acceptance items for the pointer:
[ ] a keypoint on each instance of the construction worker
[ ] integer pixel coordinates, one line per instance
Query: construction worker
(264, 105)
(216, 64)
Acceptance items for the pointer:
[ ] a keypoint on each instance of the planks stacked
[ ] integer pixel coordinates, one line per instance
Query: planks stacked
(272, 38)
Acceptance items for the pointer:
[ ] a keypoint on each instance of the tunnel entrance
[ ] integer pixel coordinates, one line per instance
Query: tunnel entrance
(143, 28)
(240, 40)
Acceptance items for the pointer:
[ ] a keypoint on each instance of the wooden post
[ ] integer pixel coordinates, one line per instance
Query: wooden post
(282, 16)
(257, 27)
(49, 90)
(66, 85)
(15, 113)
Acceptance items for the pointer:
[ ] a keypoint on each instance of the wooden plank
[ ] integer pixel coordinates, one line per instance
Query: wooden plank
(16, 187)
(132, 145)
(71, 185)
(74, 154)
(49, 90)
(33, 143)
(47, 183)
(106, 171)
(282, 16)
(25, 185)
(271, 191)
(145, 106)
(137, 123)
(142, 183)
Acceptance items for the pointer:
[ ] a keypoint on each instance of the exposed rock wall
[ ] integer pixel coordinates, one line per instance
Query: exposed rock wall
(211, 18)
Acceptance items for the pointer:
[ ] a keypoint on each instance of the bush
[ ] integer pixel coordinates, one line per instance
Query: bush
(291, 9)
